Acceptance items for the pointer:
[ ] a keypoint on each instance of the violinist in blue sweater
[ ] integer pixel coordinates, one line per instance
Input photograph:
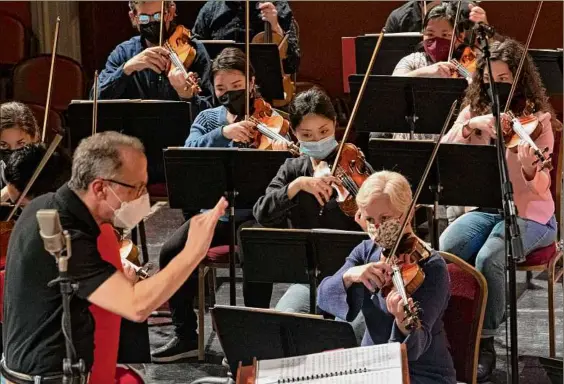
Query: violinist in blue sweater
(382, 200)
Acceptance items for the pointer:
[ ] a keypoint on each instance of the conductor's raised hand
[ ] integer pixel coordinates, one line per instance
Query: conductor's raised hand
(202, 228)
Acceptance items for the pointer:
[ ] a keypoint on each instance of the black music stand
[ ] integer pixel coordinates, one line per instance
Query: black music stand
(465, 175)
(549, 64)
(197, 177)
(405, 104)
(394, 47)
(265, 59)
(307, 255)
(158, 124)
(247, 333)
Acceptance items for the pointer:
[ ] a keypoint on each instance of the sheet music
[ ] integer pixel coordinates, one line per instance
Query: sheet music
(368, 363)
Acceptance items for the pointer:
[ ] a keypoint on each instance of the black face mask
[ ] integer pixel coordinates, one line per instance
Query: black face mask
(503, 90)
(5, 155)
(151, 31)
(234, 101)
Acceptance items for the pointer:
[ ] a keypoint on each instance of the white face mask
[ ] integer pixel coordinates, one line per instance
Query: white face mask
(130, 213)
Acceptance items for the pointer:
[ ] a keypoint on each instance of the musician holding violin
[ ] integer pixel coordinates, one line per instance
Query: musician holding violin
(438, 30)
(161, 65)
(478, 236)
(365, 282)
(18, 128)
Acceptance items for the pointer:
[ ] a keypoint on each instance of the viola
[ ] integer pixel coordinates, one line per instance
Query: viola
(269, 127)
(352, 171)
(182, 54)
(129, 254)
(466, 63)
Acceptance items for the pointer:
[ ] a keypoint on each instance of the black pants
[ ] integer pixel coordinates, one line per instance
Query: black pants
(181, 303)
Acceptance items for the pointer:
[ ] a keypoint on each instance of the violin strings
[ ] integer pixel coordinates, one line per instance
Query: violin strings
(520, 131)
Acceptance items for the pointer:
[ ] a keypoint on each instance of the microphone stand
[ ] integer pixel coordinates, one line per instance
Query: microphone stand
(73, 366)
(513, 244)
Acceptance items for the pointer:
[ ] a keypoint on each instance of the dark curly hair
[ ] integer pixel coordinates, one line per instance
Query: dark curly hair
(22, 164)
(314, 101)
(14, 114)
(529, 83)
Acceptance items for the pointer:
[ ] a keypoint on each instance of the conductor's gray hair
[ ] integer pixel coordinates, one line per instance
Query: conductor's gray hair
(98, 157)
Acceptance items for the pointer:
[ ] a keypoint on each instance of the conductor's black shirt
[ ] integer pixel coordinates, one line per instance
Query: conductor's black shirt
(275, 209)
(33, 339)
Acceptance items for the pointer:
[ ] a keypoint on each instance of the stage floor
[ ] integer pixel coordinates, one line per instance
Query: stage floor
(532, 322)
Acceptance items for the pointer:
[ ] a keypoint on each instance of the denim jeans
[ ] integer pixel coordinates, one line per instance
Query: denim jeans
(296, 300)
(478, 238)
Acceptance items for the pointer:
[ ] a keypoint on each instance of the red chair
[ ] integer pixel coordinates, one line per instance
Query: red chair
(13, 41)
(464, 316)
(54, 120)
(30, 80)
(550, 258)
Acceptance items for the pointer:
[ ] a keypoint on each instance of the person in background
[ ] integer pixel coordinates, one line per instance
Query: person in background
(383, 201)
(139, 69)
(18, 128)
(479, 236)
(225, 20)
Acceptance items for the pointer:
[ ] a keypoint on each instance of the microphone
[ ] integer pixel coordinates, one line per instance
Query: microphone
(484, 29)
(51, 231)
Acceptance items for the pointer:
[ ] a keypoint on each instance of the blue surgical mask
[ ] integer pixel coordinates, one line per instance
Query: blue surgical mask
(319, 150)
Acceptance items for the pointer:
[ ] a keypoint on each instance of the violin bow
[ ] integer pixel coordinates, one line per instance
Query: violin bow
(161, 27)
(453, 37)
(247, 61)
(358, 99)
(523, 58)
(407, 215)
(51, 76)
(95, 104)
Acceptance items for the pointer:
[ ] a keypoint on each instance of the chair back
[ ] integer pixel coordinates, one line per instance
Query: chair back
(464, 316)
(12, 40)
(30, 80)
(54, 120)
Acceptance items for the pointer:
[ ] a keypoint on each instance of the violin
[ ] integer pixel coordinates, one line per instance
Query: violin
(270, 127)
(465, 64)
(352, 170)
(129, 254)
(271, 37)
(182, 54)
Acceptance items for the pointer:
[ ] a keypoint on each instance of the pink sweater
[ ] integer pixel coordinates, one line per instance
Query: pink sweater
(532, 198)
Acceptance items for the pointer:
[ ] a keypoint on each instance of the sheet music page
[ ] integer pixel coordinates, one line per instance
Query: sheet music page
(384, 360)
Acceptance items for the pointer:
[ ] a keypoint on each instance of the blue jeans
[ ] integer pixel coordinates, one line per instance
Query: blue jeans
(478, 238)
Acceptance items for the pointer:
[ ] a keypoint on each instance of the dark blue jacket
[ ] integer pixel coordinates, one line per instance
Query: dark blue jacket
(145, 84)
(427, 347)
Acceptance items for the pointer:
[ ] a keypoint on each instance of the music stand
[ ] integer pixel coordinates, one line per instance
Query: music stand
(464, 175)
(265, 59)
(549, 64)
(308, 255)
(197, 177)
(158, 124)
(395, 46)
(247, 333)
(405, 104)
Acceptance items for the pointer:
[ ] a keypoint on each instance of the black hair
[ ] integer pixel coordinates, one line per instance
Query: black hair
(231, 59)
(447, 11)
(23, 162)
(314, 101)
(14, 114)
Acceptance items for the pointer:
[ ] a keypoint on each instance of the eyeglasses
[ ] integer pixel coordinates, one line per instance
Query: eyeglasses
(140, 190)
(146, 19)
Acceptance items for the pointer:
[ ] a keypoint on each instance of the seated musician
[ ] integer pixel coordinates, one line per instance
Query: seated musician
(18, 127)
(409, 17)
(225, 20)
(438, 27)
(478, 236)
(219, 127)
(107, 185)
(138, 68)
(383, 200)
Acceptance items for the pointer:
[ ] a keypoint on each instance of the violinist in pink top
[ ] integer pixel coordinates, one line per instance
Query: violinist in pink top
(478, 236)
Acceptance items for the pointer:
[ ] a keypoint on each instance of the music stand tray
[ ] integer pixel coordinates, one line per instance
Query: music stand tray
(158, 124)
(265, 59)
(405, 104)
(247, 333)
(395, 46)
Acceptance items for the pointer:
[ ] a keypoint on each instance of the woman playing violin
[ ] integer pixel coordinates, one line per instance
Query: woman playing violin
(438, 27)
(18, 128)
(383, 199)
(479, 235)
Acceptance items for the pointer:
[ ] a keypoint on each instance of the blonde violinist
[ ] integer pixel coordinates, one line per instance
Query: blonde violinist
(478, 236)
(383, 200)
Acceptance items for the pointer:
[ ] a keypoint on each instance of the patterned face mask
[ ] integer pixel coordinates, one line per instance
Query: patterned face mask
(386, 233)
